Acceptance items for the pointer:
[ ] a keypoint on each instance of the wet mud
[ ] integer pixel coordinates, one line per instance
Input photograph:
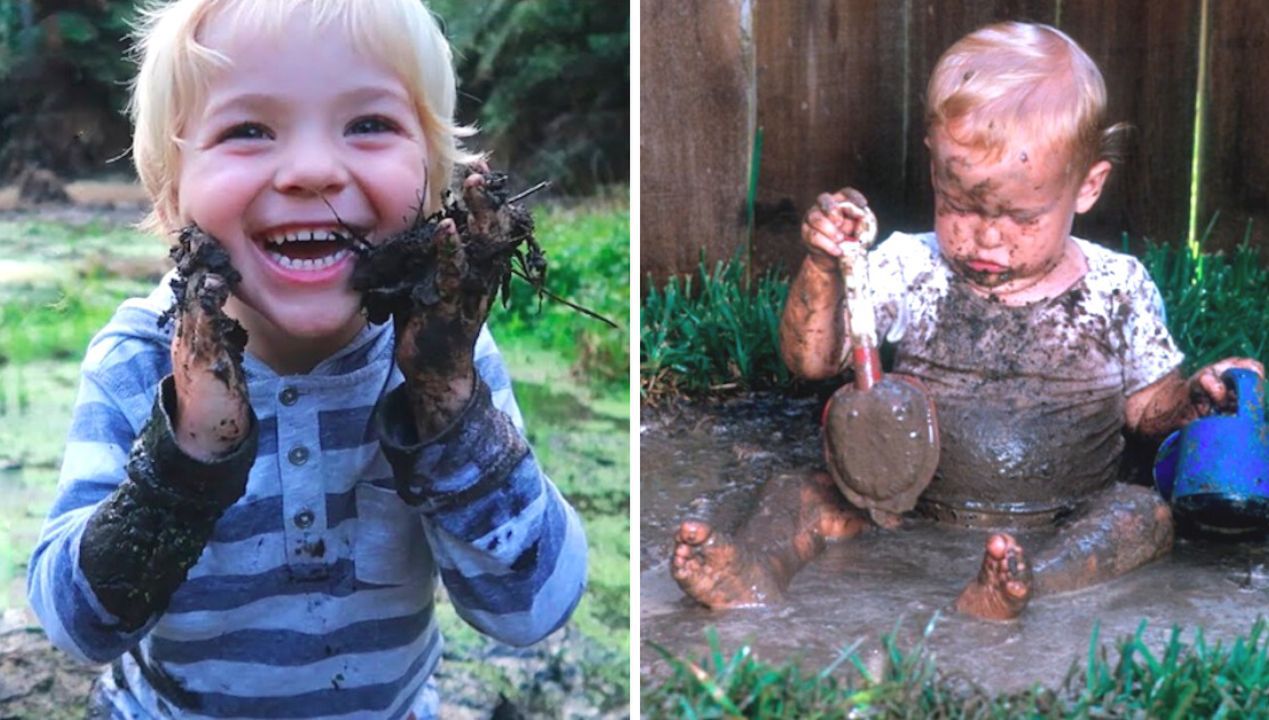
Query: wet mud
(714, 459)
(204, 280)
(882, 444)
(407, 272)
(1029, 403)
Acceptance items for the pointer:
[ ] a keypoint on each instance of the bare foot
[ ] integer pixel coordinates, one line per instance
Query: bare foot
(1003, 586)
(717, 572)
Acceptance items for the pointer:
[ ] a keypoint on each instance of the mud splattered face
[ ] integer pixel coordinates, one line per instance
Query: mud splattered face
(298, 128)
(1004, 221)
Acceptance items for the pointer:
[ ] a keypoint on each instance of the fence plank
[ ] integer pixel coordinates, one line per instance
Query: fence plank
(826, 72)
(1236, 158)
(837, 87)
(695, 130)
(840, 99)
(1148, 53)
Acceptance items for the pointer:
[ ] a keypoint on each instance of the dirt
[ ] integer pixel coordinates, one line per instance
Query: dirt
(204, 279)
(37, 681)
(883, 444)
(714, 458)
(408, 271)
(1030, 405)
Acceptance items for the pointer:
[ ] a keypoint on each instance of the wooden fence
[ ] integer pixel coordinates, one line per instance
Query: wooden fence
(836, 87)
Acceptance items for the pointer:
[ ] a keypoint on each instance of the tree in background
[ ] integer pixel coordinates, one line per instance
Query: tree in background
(546, 81)
(548, 84)
(63, 84)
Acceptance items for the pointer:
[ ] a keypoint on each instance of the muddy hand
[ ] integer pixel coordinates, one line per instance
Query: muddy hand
(436, 344)
(212, 402)
(1208, 392)
(834, 220)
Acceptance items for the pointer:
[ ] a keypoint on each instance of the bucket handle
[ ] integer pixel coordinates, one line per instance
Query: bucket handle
(1248, 389)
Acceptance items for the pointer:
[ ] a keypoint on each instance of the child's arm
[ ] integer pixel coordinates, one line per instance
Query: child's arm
(511, 551)
(1159, 398)
(132, 518)
(812, 341)
(1173, 401)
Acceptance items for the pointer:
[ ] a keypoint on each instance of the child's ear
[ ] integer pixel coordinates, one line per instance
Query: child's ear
(1091, 187)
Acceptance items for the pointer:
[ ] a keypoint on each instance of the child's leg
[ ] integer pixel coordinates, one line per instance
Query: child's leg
(1124, 527)
(794, 517)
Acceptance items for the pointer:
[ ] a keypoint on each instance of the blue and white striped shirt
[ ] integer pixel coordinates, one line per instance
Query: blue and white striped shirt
(314, 596)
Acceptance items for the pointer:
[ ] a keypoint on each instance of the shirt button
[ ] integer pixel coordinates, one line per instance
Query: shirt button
(289, 396)
(303, 519)
(298, 455)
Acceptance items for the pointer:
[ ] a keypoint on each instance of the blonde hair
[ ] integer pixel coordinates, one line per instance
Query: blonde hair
(1014, 77)
(176, 68)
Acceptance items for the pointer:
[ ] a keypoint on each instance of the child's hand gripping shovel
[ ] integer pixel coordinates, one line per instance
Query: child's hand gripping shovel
(880, 435)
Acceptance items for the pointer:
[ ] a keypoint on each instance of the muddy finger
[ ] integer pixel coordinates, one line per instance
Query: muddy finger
(853, 196)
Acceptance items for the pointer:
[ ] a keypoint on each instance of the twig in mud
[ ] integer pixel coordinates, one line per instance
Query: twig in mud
(497, 236)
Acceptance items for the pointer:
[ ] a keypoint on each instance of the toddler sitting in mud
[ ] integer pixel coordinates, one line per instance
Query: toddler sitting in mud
(258, 500)
(1039, 349)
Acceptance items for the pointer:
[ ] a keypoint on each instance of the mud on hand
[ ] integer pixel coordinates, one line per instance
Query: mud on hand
(436, 279)
(212, 413)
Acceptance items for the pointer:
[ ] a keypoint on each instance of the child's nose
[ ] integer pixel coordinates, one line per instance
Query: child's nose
(988, 235)
(311, 168)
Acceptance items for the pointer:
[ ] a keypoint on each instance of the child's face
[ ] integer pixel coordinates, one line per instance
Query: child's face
(1004, 223)
(299, 128)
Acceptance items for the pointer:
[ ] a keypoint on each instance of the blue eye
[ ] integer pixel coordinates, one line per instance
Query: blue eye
(371, 125)
(246, 131)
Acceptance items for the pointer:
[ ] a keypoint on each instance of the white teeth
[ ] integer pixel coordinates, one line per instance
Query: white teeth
(308, 265)
(303, 236)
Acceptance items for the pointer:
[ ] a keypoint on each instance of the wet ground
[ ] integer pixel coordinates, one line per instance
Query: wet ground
(863, 588)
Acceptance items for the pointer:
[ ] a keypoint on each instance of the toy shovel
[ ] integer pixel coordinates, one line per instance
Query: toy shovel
(881, 435)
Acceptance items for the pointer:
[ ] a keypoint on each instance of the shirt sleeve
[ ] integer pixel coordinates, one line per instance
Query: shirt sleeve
(132, 516)
(511, 551)
(1149, 352)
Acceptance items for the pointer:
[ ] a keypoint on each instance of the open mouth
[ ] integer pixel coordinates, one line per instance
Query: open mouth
(306, 250)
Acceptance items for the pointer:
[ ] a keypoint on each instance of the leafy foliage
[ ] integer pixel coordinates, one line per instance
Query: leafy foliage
(65, 68)
(548, 82)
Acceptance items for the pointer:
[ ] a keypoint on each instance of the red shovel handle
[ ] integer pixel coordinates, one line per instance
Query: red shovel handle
(867, 363)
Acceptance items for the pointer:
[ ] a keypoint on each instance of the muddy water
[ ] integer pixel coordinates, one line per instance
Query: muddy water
(861, 589)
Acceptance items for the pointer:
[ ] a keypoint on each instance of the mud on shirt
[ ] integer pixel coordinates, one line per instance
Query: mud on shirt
(1030, 399)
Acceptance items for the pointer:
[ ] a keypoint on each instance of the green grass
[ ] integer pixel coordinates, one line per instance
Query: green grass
(60, 283)
(1215, 302)
(716, 333)
(720, 336)
(1192, 679)
(588, 257)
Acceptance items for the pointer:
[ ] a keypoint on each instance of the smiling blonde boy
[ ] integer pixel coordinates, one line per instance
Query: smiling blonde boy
(261, 537)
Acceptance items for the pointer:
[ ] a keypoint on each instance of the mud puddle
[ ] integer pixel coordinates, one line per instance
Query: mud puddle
(861, 589)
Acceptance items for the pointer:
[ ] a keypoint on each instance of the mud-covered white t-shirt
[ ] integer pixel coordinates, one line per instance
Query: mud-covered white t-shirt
(1029, 399)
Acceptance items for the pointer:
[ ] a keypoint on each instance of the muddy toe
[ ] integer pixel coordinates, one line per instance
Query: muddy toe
(1003, 585)
(707, 566)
